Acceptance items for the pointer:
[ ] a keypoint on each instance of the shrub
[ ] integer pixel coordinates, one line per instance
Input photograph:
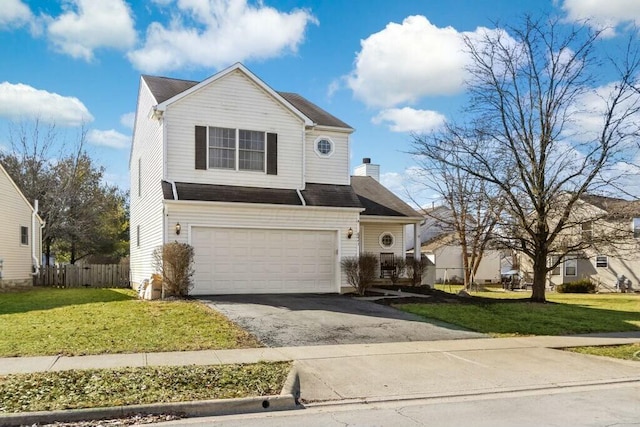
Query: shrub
(415, 269)
(400, 267)
(583, 286)
(360, 270)
(174, 262)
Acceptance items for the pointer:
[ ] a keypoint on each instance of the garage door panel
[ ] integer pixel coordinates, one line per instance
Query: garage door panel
(263, 260)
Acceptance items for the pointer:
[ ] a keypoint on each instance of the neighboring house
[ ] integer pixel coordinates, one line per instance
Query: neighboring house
(441, 245)
(609, 258)
(257, 181)
(21, 245)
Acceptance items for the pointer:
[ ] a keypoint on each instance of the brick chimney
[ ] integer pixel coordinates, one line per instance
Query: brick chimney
(368, 169)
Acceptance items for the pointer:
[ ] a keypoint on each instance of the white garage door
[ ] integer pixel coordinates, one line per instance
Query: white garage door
(241, 261)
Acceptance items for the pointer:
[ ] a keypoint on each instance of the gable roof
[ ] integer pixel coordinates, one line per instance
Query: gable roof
(378, 200)
(616, 208)
(166, 90)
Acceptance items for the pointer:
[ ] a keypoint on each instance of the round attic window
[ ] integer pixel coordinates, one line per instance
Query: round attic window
(387, 240)
(324, 146)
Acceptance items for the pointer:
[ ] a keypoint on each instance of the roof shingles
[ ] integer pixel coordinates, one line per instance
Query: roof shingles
(164, 88)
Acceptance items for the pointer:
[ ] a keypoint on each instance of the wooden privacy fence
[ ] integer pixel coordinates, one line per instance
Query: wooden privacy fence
(90, 276)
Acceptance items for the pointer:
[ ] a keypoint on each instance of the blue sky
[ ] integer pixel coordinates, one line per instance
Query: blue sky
(385, 67)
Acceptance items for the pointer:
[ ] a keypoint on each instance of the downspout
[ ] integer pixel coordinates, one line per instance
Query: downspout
(304, 202)
(304, 159)
(34, 259)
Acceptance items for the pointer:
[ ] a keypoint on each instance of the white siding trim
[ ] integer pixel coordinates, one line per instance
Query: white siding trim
(237, 66)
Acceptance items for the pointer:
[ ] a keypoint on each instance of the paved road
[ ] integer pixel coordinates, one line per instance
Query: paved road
(302, 320)
(603, 405)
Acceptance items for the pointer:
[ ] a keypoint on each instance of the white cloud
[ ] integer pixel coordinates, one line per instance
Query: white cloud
(215, 33)
(14, 13)
(407, 61)
(87, 25)
(410, 120)
(127, 120)
(108, 138)
(587, 115)
(19, 101)
(602, 14)
(410, 186)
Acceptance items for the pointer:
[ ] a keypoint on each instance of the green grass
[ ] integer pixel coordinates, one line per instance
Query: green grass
(564, 314)
(49, 391)
(97, 321)
(627, 351)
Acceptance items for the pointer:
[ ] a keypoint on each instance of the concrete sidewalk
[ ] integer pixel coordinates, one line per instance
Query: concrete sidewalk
(17, 365)
(396, 371)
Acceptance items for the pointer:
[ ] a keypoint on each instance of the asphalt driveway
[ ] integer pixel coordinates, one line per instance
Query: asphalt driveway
(289, 320)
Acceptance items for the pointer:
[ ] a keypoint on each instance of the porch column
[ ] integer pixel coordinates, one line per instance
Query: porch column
(417, 244)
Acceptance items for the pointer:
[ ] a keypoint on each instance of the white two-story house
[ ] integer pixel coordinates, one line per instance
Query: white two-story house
(258, 182)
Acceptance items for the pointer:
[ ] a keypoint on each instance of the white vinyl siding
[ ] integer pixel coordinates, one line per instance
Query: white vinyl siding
(371, 233)
(15, 211)
(235, 102)
(332, 169)
(146, 220)
(237, 216)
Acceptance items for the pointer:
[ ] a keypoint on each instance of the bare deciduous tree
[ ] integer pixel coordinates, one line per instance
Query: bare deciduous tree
(545, 129)
(472, 207)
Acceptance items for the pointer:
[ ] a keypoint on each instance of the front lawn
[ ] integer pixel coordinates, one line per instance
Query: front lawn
(96, 321)
(563, 314)
(627, 351)
(48, 391)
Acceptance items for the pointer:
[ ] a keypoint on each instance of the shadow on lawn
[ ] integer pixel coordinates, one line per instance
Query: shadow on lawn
(49, 298)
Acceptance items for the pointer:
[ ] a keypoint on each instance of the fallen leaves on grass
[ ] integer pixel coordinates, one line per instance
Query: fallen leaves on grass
(47, 391)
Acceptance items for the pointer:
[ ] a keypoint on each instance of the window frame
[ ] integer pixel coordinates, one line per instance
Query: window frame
(236, 150)
(556, 271)
(602, 259)
(574, 261)
(24, 235)
(586, 229)
(332, 145)
(387, 234)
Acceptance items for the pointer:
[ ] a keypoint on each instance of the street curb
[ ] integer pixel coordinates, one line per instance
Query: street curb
(287, 400)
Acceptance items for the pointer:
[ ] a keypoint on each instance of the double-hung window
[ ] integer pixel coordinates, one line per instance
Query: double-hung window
(236, 149)
(222, 148)
(571, 267)
(553, 259)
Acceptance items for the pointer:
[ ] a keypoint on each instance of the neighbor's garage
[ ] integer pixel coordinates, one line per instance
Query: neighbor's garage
(241, 261)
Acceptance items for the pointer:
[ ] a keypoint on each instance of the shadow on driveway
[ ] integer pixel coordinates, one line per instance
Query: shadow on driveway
(288, 320)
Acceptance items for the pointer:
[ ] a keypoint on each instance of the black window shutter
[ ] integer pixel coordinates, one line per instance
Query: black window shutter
(272, 154)
(201, 147)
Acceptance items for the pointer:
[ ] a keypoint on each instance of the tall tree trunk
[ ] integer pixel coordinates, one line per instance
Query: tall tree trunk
(539, 277)
(48, 250)
(73, 252)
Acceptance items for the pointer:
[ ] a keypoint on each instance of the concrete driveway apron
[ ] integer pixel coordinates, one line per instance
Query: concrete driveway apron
(287, 320)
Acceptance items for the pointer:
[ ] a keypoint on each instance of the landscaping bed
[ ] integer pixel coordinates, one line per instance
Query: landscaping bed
(48, 391)
(49, 321)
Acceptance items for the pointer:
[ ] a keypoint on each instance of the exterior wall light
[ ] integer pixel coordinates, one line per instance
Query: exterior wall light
(178, 228)
(349, 233)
